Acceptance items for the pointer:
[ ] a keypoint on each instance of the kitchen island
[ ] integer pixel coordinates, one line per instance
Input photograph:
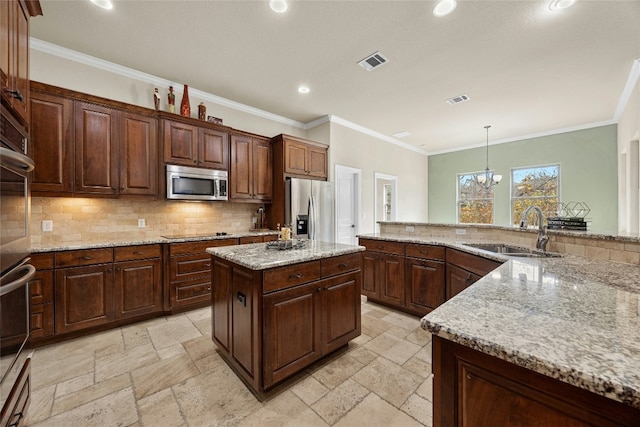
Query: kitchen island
(274, 312)
(538, 341)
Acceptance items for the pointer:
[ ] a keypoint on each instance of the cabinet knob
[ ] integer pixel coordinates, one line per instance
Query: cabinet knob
(343, 265)
(319, 290)
(295, 276)
(16, 94)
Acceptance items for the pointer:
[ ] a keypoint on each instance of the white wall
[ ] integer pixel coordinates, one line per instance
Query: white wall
(628, 163)
(357, 150)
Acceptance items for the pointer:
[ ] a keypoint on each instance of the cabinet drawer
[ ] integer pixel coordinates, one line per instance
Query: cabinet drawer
(130, 253)
(41, 287)
(473, 263)
(42, 261)
(198, 247)
(190, 267)
(383, 246)
(190, 292)
(84, 257)
(41, 322)
(251, 239)
(291, 275)
(425, 251)
(341, 264)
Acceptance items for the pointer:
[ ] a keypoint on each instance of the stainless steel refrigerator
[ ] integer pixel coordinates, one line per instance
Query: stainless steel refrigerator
(310, 209)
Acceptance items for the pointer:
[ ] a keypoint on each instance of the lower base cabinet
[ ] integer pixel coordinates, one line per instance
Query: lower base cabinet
(271, 324)
(474, 389)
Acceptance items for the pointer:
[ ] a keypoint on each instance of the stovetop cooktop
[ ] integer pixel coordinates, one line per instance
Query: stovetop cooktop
(194, 235)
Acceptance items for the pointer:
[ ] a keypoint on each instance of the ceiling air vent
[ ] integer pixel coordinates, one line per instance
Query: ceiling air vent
(457, 99)
(373, 61)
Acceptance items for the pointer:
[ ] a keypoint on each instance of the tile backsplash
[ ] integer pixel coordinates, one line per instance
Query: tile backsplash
(80, 219)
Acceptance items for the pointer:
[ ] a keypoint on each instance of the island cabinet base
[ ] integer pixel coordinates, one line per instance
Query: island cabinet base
(473, 389)
(271, 324)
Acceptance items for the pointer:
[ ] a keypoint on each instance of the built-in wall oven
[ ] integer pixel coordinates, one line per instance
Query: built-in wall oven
(15, 270)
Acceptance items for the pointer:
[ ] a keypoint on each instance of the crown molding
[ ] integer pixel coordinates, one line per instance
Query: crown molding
(632, 80)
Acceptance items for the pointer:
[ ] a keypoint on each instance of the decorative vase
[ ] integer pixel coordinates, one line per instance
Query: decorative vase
(202, 111)
(185, 108)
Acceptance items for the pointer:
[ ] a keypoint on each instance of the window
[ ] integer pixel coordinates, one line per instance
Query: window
(475, 203)
(540, 186)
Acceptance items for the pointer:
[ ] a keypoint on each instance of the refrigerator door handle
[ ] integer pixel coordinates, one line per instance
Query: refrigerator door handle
(312, 218)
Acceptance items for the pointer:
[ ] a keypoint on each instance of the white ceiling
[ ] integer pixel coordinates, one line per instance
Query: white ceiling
(527, 70)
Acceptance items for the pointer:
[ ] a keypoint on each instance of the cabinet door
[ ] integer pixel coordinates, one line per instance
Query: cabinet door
(317, 162)
(20, 100)
(241, 174)
(458, 280)
(244, 349)
(213, 149)
(295, 155)
(292, 334)
(340, 310)
(84, 297)
(96, 149)
(425, 285)
(138, 155)
(41, 304)
(369, 275)
(51, 143)
(180, 143)
(262, 170)
(138, 289)
(391, 279)
(221, 301)
(5, 40)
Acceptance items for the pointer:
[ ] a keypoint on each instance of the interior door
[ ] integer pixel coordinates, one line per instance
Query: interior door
(347, 205)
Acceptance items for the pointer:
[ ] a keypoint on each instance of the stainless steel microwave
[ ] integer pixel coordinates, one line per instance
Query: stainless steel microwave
(186, 183)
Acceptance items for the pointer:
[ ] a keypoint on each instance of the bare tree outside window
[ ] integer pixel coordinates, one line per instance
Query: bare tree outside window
(539, 186)
(475, 203)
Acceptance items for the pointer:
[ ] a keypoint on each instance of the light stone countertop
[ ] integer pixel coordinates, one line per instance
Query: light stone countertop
(256, 256)
(571, 318)
(142, 240)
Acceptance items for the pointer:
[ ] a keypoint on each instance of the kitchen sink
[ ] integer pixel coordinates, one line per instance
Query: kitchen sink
(509, 250)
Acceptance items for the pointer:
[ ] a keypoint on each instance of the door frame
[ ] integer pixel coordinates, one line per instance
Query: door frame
(394, 183)
(358, 190)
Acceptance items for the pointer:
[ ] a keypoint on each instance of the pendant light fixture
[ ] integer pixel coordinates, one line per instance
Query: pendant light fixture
(488, 179)
(279, 6)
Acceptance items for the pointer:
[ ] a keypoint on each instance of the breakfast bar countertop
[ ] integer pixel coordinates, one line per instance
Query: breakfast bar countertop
(256, 256)
(571, 318)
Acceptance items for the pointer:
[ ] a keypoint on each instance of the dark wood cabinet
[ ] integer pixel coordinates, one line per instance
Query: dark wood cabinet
(14, 55)
(188, 273)
(425, 284)
(475, 389)
(138, 157)
(383, 272)
(198, 146)
(464, 269)
(51, 144)
(84, 297)
(137, 284)
(271, 324)
(91, 148)
(96, 149)
(258, 239)
(251, 172)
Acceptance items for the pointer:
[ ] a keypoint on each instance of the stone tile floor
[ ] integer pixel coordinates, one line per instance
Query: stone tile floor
(166, 372)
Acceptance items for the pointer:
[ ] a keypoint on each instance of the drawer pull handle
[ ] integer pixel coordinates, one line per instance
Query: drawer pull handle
(208, 264)
(343, 265)
(295, 276)
(380, 247)
(86, 258)
(138, 253)
(16, 94)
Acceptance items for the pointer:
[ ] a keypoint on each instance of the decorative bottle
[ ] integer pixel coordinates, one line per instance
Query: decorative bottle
(185, 108)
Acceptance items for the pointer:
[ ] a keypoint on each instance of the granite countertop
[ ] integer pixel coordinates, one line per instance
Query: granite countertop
(571, 318)
(256, 256)
(142, 240)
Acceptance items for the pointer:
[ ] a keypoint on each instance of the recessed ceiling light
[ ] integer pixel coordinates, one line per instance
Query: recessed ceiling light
(303, 89)
(105, 4)
(401, 134)
(444, 7)
(279, 6)
(560, 4)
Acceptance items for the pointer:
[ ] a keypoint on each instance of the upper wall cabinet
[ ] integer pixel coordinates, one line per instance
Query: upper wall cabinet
(190, 144)
(14, 54)
(251, 173)
(301, 158)
(87, 147)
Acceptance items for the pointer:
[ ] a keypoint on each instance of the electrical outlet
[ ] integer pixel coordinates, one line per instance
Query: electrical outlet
(47, 225)
(142, 223)
(409, 228)
(461, 231)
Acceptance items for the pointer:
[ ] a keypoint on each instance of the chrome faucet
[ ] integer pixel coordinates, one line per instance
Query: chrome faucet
(543, 239)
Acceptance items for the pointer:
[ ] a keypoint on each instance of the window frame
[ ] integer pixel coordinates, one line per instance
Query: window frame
(493, 198)
(511, 184)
